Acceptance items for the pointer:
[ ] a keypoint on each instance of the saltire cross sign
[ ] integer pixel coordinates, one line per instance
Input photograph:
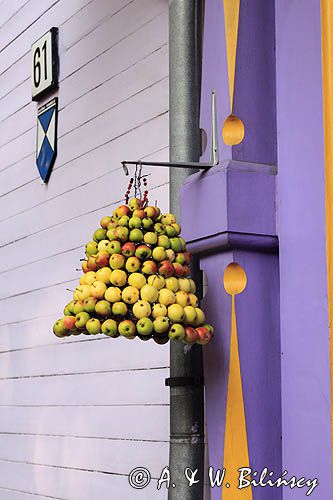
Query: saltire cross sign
(46, 151)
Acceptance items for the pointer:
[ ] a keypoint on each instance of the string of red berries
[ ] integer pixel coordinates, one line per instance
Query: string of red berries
(136, 181)
(129, 187)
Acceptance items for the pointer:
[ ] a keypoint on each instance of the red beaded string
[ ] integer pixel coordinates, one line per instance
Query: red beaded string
(136, 181)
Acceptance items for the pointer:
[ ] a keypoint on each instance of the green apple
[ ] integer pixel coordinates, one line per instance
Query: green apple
(118, 277)
(149, 267)
(159, 228)
(177, 332)
(145, 326)
(172, 284)
(110, 328)
(103, 308)
(176, 244)
(99, 235)
(114, 247)
(91, 248)
(123, 221)
(168, 219)
(170, 231)
(166, 297)
(193, 300)
(67, 311)
(130, 295)
(176, 313)
(103, 246)
(89, 304)
(147, 223)
(182, 298)
(134, 204)
(156, 281)
(136, 235)
(93, 326)
(119, 309)
(97, 289)
(143, 252)
(117, 261)
(209, 327)
(149, 293)
(126, 328)
(163, 241)
(113, 294)
(59, 329)
(177, 228)
(159, 254)
(141, 309)
(170, 254)
(133, 264)
(134, 222)
(81, 320)
(159, 310)
(183, 243)
(105, 221)
(69, 322)
(184, 284)
(110, 234)
(180, 258)
(161, 324)
(150, 238)
(200, 317)
(137, 280)
(70, 306)
(190, 315)
(78, 307)
(104, 275)
(121, 233)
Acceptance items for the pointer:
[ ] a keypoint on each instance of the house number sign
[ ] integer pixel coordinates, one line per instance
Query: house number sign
(45, 64)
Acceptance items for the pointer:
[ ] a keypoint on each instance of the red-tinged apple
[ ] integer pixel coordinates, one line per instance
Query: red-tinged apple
(186, 271)
(200, 317)
(102, 259)
(149, 293)
(161, 338)
(136, 235)
(184, 284)
(91, 248)
(81, 320)
(159, 254)
(103, 308)
(123, 221)
(145, 326)
(189, 315)
(166, 269)
(168, 219)
(147, 223)
(191, 335)
(166, 297)
(119, 309)
(193, 287)
(170, 231)
(99, 235)
(97, 289)
(134, 204)
(103, 246)
(84, 266)
(137, 280)
(105, 221)
(149, 267)
(163, 241)
(110, 328)
(138, 212)
(118, 277)
(204, 335)
(180, 258)
(159, 228)
(78, 307)
(143, 252)
(172, 284)
(114, 247)
(159, 310)
(177, 332)
(83, 292)
(176, 227)
(89, 304)
(150, 238)
(193, 300)
(133, 264)
(117, 261)
(151, 212)
(91, 263)
(128, 249)
(113, 294)
(93, 326)
(179, 269)
(182, 298)
(121, 233)
(141, 309)
(130, 295)
(134, 222)
(170, 254)
(126, 328)
(156, 281)
(161, 324)
(187, 258)
(104, 275)
(59, 329)
(69, 322)
(111, 233)
(158, 212)
(176, 313)
(122, 210)
(113, 223)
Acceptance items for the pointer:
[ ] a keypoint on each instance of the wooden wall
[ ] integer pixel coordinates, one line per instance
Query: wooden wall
(77, 415)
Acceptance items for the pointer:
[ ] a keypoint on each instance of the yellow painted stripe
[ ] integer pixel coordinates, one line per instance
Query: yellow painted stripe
(231, 19)
(327, 64)
(236, 452)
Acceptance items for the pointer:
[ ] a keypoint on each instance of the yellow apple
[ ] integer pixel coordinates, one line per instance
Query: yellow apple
(184, 284)
(130, 295)
(193, 287)
(88, 278)
(172, 284)
(193, 300)
(159, 254)
(141, 309)
(104, 275)
(161, 324)
(190, 315)
(113, 294)
(149, 293)
(176, 313)
(182, 298)
(159, 310)
(83, 292)
(97, 289)
(166, 297)
(137, 279)
(200, 317)
(156, 281)
(118, 277)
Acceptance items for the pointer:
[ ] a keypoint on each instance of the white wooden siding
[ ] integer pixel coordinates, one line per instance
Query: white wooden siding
(77, 415)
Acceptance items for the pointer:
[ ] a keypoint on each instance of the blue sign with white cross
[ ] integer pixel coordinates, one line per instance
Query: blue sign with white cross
(47, 138)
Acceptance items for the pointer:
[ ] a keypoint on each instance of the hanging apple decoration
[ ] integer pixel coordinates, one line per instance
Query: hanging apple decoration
(136, 280)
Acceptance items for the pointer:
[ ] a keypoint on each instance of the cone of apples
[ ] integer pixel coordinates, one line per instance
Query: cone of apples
(136, 282)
